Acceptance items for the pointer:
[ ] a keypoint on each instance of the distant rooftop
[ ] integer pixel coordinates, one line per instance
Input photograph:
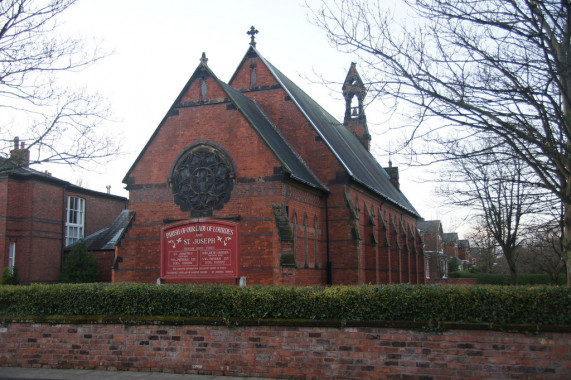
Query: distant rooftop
(464, 244)
(450, 237)
(9, 168)
(429, 226)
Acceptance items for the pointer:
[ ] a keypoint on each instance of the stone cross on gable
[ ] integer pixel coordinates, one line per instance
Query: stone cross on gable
(203, 59)
(252, 33)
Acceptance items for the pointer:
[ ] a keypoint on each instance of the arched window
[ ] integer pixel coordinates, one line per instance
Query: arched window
(253, 74)
(316, 242)
(294, 231)
(305, 241)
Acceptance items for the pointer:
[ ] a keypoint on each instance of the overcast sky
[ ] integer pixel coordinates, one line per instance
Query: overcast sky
(157, 46)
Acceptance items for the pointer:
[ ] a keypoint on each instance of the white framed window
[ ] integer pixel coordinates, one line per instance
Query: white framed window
(74, 225)
(427, 269)
(12, 257)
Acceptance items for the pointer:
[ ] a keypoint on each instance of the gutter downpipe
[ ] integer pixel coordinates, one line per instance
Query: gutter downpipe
(329, 280)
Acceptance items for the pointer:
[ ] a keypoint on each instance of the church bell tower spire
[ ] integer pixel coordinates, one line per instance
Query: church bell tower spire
(354, 92)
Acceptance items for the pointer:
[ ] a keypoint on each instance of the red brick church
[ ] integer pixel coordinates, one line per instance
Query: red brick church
(313, 205)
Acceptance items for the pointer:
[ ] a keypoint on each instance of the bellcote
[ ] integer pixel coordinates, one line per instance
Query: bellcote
(354, 92)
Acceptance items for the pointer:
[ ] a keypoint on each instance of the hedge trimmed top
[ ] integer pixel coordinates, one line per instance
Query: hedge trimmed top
(539, 305)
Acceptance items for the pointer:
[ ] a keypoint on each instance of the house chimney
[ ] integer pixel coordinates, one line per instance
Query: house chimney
(20, 155)
(393, 173)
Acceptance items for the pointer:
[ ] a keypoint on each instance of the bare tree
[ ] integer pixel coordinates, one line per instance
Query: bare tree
(499, 188)
(483, 248)
(542, 251)
(494, 69)
(57, 123)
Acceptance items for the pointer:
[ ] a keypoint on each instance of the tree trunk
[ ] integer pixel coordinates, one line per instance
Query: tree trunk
(563, 53)
(512, 265)
(566, 241)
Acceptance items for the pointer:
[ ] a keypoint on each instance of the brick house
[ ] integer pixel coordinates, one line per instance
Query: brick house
(440, 248)
(41, 214)
(459, 249)
(436, 264)
(450, 240)
(312, 203)
(464, 255)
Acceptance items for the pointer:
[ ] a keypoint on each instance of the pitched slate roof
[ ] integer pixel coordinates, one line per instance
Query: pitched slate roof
(9, 169)
(429, 226)
(359, 163)
(106, 239)
(451, 237)
(288, 157)
(465, 244)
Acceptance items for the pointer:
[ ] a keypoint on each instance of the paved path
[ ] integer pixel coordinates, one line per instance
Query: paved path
(13, 373)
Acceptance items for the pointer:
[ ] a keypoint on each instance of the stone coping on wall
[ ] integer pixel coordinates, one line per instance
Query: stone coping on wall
(130, 320)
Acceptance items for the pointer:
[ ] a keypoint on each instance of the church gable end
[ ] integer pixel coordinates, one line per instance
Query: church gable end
(203, 110)
(253, 74)
(202, 88)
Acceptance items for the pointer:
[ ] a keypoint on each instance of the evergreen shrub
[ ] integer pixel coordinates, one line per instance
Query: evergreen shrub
(79, 266)
(10, 278)
(454, 265)
(505, 279)
(542, 305)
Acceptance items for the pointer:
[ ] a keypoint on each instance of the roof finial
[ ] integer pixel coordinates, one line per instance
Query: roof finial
(390, 162)
(252, 33)
(203, 59)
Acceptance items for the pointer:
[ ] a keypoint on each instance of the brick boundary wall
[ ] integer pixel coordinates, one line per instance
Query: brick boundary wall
(289, 352)
(454, 281)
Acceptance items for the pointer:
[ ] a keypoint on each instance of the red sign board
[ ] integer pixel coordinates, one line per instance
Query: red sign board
(200, 249)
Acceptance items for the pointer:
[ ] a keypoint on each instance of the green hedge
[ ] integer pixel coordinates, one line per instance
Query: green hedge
(505, 279)
(468, 304)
